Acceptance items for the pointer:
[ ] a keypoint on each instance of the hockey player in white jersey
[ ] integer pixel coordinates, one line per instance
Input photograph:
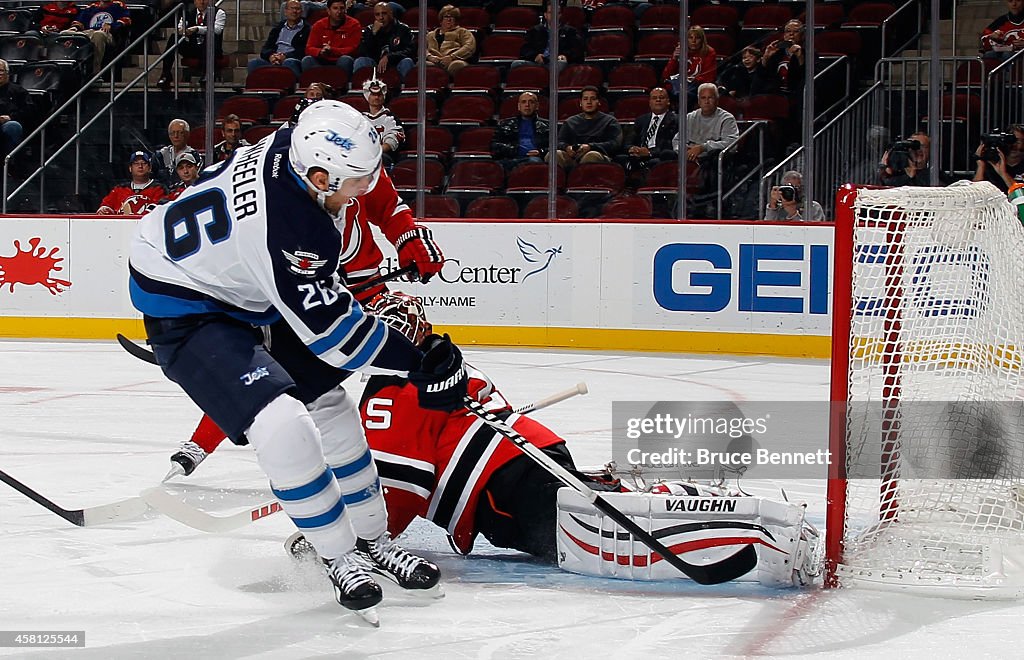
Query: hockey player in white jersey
(256, 240)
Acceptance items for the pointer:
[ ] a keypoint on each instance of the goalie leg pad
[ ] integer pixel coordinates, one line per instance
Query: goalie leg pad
(289, 451)
(700, 529)
(349, 457)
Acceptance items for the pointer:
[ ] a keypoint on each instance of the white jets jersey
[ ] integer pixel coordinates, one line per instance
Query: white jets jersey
(389, 127)
(249, 241)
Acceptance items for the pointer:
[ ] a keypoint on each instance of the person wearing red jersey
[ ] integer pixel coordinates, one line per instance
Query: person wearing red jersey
(360, 261)
(56, 16)
(701, 64)
(333, 40)
(1005, 35)
(134, 195)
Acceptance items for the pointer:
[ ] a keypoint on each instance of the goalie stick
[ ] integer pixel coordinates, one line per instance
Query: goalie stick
(146, 355)
(579, 388)
(125, 509)
(730, 568)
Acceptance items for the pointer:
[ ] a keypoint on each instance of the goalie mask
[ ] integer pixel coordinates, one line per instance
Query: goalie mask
(403, 313)
(338, 139)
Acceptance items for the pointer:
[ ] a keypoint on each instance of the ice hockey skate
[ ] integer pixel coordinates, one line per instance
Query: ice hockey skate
(388, 559)
(185, 460)
(354, 587)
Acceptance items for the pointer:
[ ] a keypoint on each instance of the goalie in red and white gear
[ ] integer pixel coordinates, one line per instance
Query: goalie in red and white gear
(457, 472)
(134, 195)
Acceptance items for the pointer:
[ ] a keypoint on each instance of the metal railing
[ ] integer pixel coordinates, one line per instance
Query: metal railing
(171, 18)
(757, 126)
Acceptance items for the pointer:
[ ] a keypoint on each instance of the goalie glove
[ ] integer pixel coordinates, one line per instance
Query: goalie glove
(441, 381)
(417, 247)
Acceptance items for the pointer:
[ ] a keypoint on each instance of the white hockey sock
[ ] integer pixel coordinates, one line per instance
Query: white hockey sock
(288, 449)
(349, 456)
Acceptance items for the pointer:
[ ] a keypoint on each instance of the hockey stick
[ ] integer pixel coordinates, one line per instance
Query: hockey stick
(146, 355)
(126, 509)
(580, 388)
(175, 509)
(730, 568)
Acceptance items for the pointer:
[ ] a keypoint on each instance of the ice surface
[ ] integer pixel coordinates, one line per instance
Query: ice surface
(87, 424)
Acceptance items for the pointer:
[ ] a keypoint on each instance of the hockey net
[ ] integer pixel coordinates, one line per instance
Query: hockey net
(926, 489)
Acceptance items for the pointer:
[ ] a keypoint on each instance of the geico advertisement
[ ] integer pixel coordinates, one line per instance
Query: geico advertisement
(735, 278)
(56, 266)
(508, 274)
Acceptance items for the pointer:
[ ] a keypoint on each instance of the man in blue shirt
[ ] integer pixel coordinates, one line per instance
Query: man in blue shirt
(286, 43)
(523, 138)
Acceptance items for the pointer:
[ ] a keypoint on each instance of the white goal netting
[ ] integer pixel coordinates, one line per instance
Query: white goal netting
(934, 439)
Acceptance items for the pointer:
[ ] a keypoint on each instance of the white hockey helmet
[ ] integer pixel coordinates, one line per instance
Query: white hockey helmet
(338, 139)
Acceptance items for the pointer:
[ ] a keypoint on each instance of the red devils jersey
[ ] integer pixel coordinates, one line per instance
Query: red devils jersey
(136, 198)
(1012, 28)
(360, 256)
(434, 464)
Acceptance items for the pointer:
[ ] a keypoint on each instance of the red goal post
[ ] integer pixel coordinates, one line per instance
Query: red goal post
(926, 489)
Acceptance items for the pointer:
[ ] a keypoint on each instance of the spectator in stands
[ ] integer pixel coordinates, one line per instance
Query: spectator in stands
(14, 110)
(652, 138)
(333, 40)
(701, 65)
(1009, 166)
(386, 43)
(392, 133)
(786, 201)
(917, 171)
(709, 129)
(450, 46)
(286, 43)
(231, 127)
(783, 62)
(1005, 35)
(54, 17)
(591, 136)
(187, 170)
(166, 158)
(523, 138)
(535, 48)
(192, 27)
(352, 7)
(318, 91)
(746, 77)
(133, 195)
(106, 24)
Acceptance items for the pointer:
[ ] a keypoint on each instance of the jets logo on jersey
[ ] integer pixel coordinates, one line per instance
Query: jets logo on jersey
(341, 141)
(302, 263)
(254, 375)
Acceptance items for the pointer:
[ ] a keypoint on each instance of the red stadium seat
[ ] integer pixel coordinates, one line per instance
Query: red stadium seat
(476, 177)
(474, 19)
(330, 75)
(627, 206)
(501, 48)
(474, 142)
(656, 47)
(868, 14)
(527, 79)
(403, 175)
(826, 15)
(493, 207)
(628, 108)
(575, 77)
(477, 79)
(411, 17)
(257, 133)
(270, 80)
(588, 178)
(405, 108)
(532, 179)
(197, 137)
(609, 47)
(716, 18)
(612, 18)
(660, 18)
(250, 109)
(724, 44)
(284, 109)
(437, 206)
(632, 78)
(467, 110)
(515, 20)
(438, 143)
(437, 80)
(565, 207)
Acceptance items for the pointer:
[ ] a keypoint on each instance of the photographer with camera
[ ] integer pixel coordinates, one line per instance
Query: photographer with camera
(786, 201)
(1001, 157)
(905, 163)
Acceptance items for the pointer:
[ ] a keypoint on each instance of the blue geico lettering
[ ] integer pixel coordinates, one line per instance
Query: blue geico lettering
(751, 273)
(934, 270)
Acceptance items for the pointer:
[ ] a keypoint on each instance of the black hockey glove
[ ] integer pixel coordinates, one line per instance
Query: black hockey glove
(441, 380)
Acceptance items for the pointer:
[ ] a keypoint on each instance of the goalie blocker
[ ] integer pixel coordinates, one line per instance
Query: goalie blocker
(702, 528)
